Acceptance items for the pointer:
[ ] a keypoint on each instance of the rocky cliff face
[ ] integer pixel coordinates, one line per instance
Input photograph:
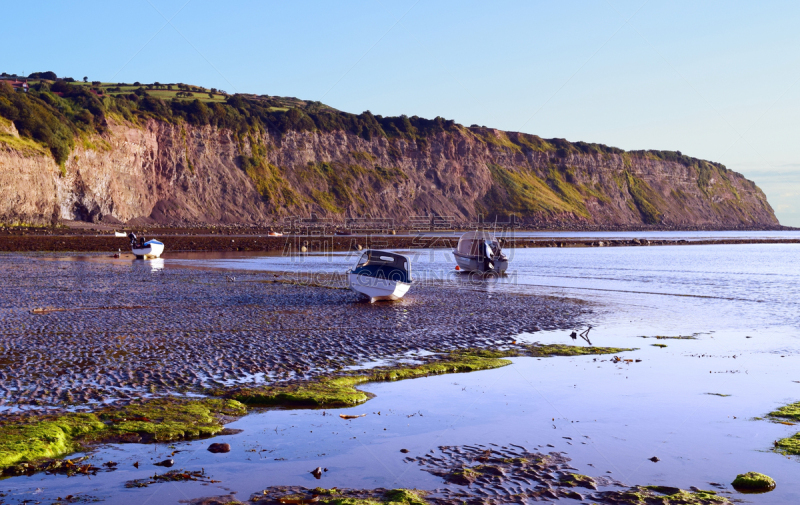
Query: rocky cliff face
(183, 174)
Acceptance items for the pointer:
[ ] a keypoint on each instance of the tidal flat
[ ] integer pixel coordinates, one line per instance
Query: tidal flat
(83, 333)
(688, 417)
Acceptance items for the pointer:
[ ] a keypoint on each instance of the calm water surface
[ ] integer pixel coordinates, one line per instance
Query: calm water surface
(740, 301)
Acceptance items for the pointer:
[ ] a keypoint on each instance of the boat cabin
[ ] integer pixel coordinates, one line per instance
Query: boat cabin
(384, 265)
(477, 244)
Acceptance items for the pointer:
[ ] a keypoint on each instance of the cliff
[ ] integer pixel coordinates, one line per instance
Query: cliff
(144, 168)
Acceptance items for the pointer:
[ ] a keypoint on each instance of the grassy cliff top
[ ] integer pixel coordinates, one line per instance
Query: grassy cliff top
(56, 112)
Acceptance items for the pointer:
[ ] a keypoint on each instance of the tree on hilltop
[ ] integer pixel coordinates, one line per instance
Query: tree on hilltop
(49, 75)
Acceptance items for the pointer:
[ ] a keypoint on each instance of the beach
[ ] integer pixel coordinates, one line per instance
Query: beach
(711, 330)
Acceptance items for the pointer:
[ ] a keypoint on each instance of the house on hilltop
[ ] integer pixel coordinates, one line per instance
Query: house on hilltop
(19, 85)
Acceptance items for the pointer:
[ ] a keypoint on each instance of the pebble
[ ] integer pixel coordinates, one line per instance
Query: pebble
(219, 448)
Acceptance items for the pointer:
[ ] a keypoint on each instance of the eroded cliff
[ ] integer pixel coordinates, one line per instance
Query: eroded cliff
(150, 170)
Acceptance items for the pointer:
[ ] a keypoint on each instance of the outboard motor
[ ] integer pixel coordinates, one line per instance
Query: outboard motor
(488, 257)
(498, 252)
(132, 236)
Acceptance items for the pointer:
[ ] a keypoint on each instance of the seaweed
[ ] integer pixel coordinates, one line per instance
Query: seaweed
(753, 482)
(157, 420)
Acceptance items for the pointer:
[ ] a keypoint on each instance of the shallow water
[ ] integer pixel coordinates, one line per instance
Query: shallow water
(616, 415)
(629, 235)
(752, 281)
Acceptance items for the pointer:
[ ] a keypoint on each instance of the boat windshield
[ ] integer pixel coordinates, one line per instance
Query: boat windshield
(384, 265)
(383, 258)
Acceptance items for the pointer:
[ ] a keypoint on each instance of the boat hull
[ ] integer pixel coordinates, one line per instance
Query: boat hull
(475, 264)
(152, 249)
(376, 289)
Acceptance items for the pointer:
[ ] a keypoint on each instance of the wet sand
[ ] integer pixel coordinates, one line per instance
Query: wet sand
(83, 333)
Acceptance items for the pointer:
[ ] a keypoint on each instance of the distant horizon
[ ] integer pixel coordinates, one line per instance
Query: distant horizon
(711, 79)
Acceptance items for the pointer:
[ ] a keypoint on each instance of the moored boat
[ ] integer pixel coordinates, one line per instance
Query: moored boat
(380, 275)
(479, 251)
(145, 250)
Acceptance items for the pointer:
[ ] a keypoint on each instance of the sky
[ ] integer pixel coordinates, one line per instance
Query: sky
(718, 80)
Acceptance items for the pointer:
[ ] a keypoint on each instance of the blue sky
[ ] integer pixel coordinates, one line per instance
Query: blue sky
(714, 79)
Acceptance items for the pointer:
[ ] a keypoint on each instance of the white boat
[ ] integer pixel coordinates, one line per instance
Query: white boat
(148, 250)
(479, 251)
(380, 275)
(120, 234)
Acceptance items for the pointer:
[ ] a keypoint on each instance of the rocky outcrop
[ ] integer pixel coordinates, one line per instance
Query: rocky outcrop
(184, 174)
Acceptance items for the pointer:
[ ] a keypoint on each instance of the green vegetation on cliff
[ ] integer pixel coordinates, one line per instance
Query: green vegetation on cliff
(643, 198)
(524, 192)
(54, 112)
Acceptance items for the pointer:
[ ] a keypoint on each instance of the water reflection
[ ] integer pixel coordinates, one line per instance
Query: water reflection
(156, 264)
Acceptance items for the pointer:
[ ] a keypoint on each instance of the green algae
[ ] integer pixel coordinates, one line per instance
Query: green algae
(48, 438)
(296, 498)
(659, 345)
(341, 391)
(662, 495)
(789, 446)
(393, 496)
(407, 496)
(160, 420)
(538, 350)
(791, 413)
(351, 501)
(464, 476)
(753, 482)
(327, 391)
(165, 420)
(578, 480)
(516, 461)
(324, 491)
(457, 362)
